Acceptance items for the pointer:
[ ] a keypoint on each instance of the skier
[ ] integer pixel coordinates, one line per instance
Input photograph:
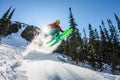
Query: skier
(55, 33)
(55, 28)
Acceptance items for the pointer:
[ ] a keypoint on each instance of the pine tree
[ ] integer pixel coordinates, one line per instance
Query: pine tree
(80, 50)
(6, 13)
(114, 46)
(5, 23)
(98, 54)
(10, 16)
(94, 56)
(105, 32)
(102, 34)
(85, 46)
(72, 44)
(104, 46)
(113, 31)
(91, 34)
(96, 35)
(118, 21)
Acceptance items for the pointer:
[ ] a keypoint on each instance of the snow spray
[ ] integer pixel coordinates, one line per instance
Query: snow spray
(39, 42)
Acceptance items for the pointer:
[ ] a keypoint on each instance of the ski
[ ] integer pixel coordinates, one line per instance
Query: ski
(62, 36)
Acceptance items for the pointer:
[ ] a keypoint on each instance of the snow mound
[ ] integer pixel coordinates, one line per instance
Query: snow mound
(53, 70)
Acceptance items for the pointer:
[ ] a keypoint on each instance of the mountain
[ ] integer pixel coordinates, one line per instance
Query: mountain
(25, 59)
(20, 35)
(14, 39)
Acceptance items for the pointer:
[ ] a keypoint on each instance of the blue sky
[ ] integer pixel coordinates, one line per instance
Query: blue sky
(42, 12)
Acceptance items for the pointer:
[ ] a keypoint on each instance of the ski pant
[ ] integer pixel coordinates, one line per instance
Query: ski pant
(55, 32)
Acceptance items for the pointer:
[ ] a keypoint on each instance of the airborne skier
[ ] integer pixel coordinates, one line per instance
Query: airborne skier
(55, 32)
(56, 29)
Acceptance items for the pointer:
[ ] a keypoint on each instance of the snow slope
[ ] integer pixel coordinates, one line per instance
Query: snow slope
(9, 60)
(37, 62)
(39, 66)
(52, 70)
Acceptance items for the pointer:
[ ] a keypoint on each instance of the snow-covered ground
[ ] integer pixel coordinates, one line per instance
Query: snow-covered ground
(39, 66)
(37, 62)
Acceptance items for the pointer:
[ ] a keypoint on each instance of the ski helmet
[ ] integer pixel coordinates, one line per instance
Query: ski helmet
(57, 21)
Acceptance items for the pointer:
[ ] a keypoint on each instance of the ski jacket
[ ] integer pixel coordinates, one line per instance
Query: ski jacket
(53, 25)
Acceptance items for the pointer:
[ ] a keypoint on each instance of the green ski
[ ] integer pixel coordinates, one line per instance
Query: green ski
(62, 36)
